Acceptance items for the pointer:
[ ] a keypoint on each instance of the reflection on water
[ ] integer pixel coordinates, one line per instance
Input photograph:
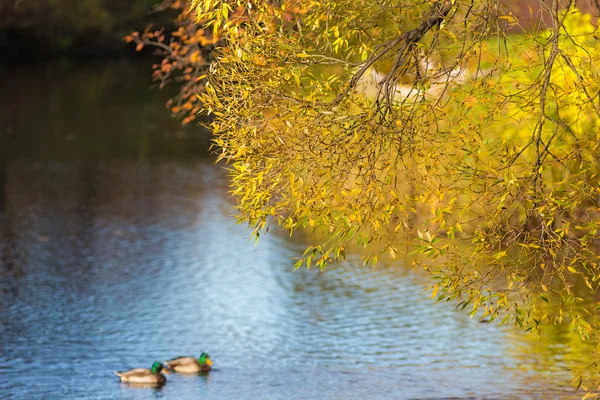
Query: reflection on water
(118, 249)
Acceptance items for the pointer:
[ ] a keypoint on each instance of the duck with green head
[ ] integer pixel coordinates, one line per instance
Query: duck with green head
(144, 375)
(190, 365)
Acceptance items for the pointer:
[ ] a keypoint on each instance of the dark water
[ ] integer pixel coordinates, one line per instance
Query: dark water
(118, 249)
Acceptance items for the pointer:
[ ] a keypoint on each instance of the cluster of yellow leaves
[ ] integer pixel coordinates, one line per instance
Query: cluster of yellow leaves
(364, 177)
(487, 166)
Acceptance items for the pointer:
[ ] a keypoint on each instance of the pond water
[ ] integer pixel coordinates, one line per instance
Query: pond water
(118, 248)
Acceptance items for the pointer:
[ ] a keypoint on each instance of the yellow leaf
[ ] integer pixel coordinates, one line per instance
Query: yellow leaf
(434, 291)
(392, 252)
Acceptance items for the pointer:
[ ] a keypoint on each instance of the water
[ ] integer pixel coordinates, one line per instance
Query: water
(118, 248)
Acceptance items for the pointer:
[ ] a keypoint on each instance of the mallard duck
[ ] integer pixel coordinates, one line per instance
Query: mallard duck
(190, 364)
(144, 375)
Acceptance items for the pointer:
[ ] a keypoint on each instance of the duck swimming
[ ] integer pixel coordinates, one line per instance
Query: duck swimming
(144, 375)
(190, 364)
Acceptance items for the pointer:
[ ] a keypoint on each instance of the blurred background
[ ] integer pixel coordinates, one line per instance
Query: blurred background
(31, 30)
(118, 247)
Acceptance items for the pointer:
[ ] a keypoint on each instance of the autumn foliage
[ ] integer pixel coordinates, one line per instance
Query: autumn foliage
(185, 57)
(394, 128)
(400, 127)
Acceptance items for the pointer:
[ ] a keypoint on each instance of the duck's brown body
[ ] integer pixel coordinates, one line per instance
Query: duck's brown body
(141, 375)
(187, 365)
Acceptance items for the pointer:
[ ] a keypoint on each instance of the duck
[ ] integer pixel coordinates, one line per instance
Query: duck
(189, 365)
(145, 375)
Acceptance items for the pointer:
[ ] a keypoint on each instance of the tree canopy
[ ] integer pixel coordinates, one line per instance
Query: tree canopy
(423, 129)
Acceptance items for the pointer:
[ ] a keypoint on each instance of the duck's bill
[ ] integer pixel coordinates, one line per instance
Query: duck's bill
(209, 362)
(166, 371)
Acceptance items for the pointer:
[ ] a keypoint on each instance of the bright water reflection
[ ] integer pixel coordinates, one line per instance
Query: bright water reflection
(118, 248)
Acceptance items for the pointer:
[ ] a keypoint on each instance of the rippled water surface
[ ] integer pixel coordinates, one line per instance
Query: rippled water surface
(118, 249)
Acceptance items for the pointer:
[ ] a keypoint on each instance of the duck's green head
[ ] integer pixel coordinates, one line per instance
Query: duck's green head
(204, 359)
(157, 368)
